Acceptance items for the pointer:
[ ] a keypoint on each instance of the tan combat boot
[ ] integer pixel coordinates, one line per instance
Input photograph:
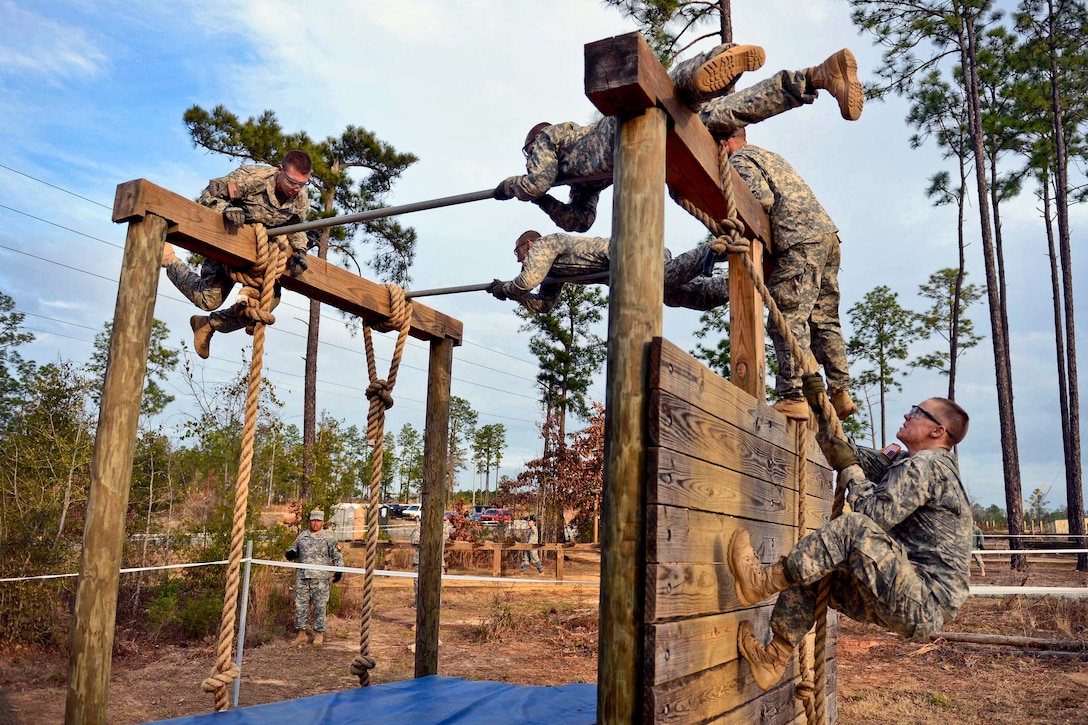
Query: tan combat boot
(838, 75)
(842, 403)
(168, 255)
(795, 408)
(319, 639)
(766, 663)
(717, 74)
(303, 637)
(752, 581)
(202, 335)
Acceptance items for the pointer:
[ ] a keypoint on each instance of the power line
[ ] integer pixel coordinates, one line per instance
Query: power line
(54, 186)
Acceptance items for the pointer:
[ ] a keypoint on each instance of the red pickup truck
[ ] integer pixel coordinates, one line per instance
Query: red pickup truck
(493, 517)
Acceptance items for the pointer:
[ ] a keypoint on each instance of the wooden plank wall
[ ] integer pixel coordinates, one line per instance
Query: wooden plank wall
(718, 459)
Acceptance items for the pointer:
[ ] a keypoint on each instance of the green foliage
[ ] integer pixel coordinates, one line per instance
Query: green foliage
(669, 25)
(12, 366)
(488, 444)
(949, 297)
(161, 360)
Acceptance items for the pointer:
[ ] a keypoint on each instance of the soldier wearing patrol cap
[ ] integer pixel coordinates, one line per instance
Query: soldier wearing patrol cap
(314, 546)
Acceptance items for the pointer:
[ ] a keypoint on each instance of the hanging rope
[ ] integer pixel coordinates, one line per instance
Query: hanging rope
(258, 288)
(729, 238)
(380, 395)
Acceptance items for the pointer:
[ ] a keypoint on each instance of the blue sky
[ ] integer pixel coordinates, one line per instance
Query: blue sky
(93, 94)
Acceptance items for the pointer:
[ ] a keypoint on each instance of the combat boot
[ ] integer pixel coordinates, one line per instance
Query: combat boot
(319, 639)
(703, 78)
(843, 404)
(838, 75)
(767, 663)
(202, 335)
(303, 637)
(168, 255)
(752, 581)
(795, 408)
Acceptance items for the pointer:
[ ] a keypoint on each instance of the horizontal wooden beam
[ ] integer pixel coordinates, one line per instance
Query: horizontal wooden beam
(623, 76)
(202, 230)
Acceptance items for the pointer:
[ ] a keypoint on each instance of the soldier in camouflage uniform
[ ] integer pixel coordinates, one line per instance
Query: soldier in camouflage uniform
(256, 194)
(568, 150)
(805, 281)
(312, 585)
(899, 559)
(562, 255)
(979, 544)
(531, 556)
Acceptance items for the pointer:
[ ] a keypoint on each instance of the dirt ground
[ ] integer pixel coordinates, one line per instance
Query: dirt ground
(545, 634)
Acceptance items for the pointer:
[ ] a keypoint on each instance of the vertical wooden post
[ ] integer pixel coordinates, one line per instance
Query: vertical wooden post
(432, 531)
(746, 322)
(634, 318)
(111, 473)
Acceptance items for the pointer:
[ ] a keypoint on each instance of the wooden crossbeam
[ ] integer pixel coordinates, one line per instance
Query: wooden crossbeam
(202, 230)
(624, 77)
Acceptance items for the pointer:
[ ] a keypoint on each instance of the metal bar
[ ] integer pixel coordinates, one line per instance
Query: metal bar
(389, 211)
(242, 623)
(594, 277)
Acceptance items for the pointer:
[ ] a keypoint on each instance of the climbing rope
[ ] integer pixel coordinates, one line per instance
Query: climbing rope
(729, 238)
(380, 395)
(258, 290)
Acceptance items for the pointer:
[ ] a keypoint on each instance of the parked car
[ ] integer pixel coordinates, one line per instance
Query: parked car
(396, 510)
(412, 511)
(494, 517)
(473, 513)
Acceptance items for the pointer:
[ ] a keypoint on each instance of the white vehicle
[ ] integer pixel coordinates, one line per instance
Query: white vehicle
(412, 511)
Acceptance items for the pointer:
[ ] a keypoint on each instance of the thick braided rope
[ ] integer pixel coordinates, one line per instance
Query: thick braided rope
(729, 238)
(806, 688)
(272, 258)
(380, 394)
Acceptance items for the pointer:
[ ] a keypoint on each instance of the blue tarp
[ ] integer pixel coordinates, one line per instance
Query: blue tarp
(424, 701)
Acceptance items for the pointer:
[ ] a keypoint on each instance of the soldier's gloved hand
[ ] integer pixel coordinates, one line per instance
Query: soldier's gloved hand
(505, 190)
(495, 289)
(839, 453)
(337, 576)
(296, 263)
(235, 215)
(812, 385)
(291, 555)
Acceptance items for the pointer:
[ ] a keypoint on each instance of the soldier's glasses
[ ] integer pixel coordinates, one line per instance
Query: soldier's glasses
(917, 410)
(291, 182)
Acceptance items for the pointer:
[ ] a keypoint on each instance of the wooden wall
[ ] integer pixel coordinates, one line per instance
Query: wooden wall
(717, 460)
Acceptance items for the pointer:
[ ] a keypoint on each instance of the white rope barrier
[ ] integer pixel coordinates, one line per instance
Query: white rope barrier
(1030, 592)
(123, 571)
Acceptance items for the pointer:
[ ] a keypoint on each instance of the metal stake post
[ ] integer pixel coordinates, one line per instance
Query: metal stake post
(242, 623)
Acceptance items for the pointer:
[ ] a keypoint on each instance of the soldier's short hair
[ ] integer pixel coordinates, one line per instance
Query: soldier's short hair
(526, 237)
(954, 418)
(299, 161)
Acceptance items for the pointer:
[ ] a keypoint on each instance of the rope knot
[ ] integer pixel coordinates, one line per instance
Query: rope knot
(362, 665)
(382, 390)
(220, 680)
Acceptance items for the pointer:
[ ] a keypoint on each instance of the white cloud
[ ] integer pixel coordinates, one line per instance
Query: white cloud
(46, 49)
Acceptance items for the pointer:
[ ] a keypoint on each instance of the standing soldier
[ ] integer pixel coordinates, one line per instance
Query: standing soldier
(312, 585)
(805, 281)
(980, 544)
(253, 194)
(532, 556)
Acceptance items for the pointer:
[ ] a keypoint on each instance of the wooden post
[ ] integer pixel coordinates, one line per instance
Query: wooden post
(432, 531)
(559, 562)
(111, 473)
(634, 318)
(746, 325)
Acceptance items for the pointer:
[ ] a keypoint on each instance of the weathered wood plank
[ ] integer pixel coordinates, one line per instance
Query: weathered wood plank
(624, 76)
(676, 425)
(682, 535)
(201, 230)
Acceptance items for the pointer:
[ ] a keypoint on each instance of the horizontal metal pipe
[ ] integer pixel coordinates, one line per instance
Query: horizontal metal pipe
(363, 216)
(594, 277)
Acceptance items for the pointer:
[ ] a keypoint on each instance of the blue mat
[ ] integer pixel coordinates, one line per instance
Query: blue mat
(425, 701)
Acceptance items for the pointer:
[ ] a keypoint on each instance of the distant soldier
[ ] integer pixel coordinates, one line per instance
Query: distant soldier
(558, 256)
(256, 194)
(980, 544)
(899, 559)
(570, 151)
(312, 585)
(532, 556)
(805, 281)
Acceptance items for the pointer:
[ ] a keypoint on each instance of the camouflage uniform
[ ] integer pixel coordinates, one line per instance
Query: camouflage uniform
(312, 585)
(532, 557)
(899, 560)
(805, 282)
(563, 255)
(256, 196)
(567, 150)
(979, 544)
